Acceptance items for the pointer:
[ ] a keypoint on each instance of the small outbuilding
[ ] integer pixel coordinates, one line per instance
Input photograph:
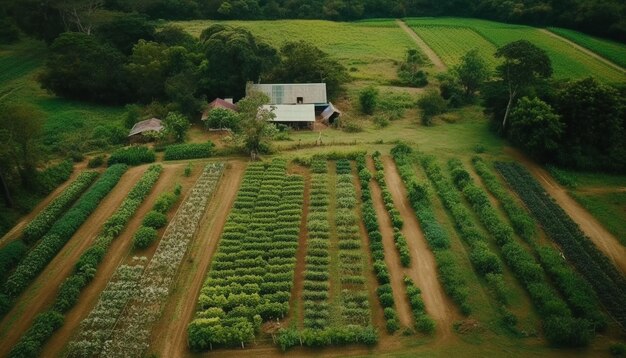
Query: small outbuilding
(330, 114)
(140, 129)
(219, 103)
(295, 116)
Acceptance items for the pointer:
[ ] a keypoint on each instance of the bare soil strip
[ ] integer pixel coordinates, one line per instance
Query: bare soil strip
(392, 258)
(432, 56)
(169, 338)
(601, 237)
(41, 293)
(17, 230)
(298, 285)
(116, 254)
(584, 50)
(423, 268)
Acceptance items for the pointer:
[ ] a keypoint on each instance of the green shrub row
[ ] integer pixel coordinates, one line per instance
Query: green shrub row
(62, 231)
(529, 273)
(288, 338)
(450, 273)
(50, 178)
(189, 151)
(44, 220)
(423, 323)
(155, 219)
(132, 156)
(319, 165)
(394, 214)
(607, 282)
(87, 264)
(10, 255)
(579, 295)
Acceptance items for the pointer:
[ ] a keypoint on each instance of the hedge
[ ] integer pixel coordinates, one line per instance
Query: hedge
(51, 177)
(132, 156)
(189, 151)
(144, 237)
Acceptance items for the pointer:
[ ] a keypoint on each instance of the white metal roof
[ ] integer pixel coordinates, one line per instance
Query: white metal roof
(292, 112)
(292, 93)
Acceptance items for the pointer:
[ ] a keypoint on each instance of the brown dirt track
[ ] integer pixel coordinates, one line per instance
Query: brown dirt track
(41, 293)
(601, 237)
(423, 268)
(169, 338)
(116, 254)
(432, 56)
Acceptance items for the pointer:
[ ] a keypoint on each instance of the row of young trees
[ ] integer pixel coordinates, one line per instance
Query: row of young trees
(47, 19)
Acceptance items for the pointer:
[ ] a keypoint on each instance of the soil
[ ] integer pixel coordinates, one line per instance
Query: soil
(600, 236)
(432, 56)
(17, 230)
(169, 337)
(584, 50)
(599, 190)
(392, 258)
(42, 292)
(115, 256)
(423, 269)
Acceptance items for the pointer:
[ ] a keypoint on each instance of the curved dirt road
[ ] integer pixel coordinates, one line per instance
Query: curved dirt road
(432, 56)
(423, 268)
(601, 237)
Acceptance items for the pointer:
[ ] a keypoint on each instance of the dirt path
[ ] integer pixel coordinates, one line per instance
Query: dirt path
(599, 190)
(432, 56)
(298, 285)
(17, 230)
(392, 258)
(41, 293)
(423, 268)
(169, 337)
(601, 237)
(584, 50)
(115, 255)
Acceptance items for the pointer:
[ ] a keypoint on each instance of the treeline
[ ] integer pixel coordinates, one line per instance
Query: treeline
(604, 18)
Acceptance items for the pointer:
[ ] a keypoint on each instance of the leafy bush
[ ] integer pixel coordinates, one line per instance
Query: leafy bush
(51, 177)
(96, 161)
(154, 219)
(144, 237)
(431, 104)
(132, 156)
(368, 98)
(32, 341)
(189, 151)
(11, 254)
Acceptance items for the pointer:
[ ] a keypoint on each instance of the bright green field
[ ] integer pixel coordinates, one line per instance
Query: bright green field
(370, 49)
(610, 50)
(567, 61)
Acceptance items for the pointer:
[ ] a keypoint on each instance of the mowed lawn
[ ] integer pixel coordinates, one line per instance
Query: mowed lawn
(369, 49)
(567, 61)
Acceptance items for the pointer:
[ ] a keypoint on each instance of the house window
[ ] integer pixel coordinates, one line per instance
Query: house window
(300, 100)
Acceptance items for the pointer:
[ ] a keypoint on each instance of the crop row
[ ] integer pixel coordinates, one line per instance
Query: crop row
(189, 151)
(355, 307)
(579, 295)
(436, 236)
(31, 342)
(396, 219)
(423, 323)
(132, 156)
(62, 231)
(155, 218)
(46, 218)
(130, 338)
(577, 248)
(251, 277)
(370, 220)
(559, 325)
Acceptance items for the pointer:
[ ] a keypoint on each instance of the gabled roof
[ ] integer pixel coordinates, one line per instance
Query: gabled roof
(292, 112)
(152, 124)
(218, 103)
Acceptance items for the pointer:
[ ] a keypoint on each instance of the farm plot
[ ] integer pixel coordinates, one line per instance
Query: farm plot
(608, 49)
(132, 331)
(608, 283)
(567, 61)
(251, 276)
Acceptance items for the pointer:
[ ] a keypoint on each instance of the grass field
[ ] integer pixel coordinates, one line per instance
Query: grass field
(608, 49)
(567, 61)
(369, 49)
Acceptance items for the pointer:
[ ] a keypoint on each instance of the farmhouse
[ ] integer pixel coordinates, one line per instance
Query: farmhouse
(140, 129)
(219, 103)
(293, 115)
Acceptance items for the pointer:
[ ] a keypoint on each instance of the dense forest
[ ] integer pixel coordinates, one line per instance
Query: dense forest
(47, 18)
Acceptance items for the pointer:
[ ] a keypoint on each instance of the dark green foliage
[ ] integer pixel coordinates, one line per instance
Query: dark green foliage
(535, 128)
(431, 104)
(220, 118)
(132, 156)
(368, 99)
(154, 219)
(409, 71)
(124, 31)
(32, 341)
(423, 322)
(51, 177)
(144, 237)
(189, 151)
(618, 349)
(96, 161)
(471, 73)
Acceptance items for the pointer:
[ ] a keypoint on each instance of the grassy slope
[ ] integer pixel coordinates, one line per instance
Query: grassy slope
(566, 60)
(610, 50)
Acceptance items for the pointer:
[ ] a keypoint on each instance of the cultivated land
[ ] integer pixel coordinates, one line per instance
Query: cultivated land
(311, 244)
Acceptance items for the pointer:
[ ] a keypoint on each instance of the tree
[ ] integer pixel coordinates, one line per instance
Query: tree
(524, 65)
(302, 62)
(535, 127)
(368, 99)
(410, 72)
(125, 30)
(472, 72)
(223, 118)
(79, 67)
(431, 104)
(176, 125)
(148, 69)
(256, 131)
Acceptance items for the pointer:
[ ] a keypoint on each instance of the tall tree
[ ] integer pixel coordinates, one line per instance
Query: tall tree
(256, 130)
(524, 65)
(472, 72)
(536, 128)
